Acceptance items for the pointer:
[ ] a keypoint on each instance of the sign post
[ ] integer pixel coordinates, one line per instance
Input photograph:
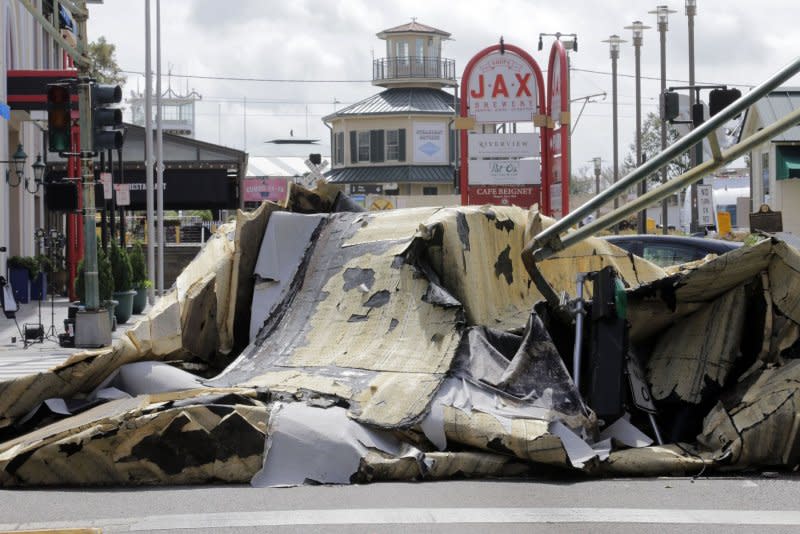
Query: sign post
(502, 84)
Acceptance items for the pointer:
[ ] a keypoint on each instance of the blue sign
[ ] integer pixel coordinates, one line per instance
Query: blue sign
(5, 111)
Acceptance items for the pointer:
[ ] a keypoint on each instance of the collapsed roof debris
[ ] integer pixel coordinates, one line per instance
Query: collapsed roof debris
(413, 344)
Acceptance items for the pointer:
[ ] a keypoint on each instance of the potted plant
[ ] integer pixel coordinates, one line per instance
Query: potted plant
(105, 282)
(139, 274)
(21, 270)
(123, 283)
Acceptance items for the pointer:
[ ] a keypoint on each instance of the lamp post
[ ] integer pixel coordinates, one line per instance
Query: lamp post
(15, 175)
(694, 154)
(638, 29)
(613, 45)
(662, 16)
(598, 168)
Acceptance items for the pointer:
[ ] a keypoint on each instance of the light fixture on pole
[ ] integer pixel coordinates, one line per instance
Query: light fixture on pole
(662, 17)
(691, 11)
(638, 30)
(568, 44)
(613, 45)
(15, 175)
(17, 164)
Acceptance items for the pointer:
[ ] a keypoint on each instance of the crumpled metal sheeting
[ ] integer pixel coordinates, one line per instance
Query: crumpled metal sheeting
(656, 460)
(758, 423)
(784, 276)
(528, 439)
(80, 374)
(379, 339)
(377, 466)
(144, 440)
(656, 306)
(591, 254)
(249, 231)
(476, 252)
(699, 350)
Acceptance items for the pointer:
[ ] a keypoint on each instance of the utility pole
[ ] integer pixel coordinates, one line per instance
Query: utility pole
(148, 154)
(638, 29)
(613, 44)
(662, 16)
(696, 153)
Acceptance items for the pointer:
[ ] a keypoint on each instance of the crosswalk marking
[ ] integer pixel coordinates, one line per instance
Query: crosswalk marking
(419, 516)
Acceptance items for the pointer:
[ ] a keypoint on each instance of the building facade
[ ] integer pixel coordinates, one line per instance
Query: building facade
(26, 47)
(398, 147)
(775, 165)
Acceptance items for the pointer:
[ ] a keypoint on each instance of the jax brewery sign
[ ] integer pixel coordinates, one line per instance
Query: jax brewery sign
(503, 84)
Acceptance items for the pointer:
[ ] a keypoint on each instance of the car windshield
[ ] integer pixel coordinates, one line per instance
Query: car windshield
(671, 254)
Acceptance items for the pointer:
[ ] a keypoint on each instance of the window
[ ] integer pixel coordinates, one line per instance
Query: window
(430, 190)
(392, 145)
(363, 146)
(338, 141)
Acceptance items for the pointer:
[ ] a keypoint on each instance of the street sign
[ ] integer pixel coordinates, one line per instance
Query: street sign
(366, 189)
(705, 205)
(513, 145)
(105, 179)
(123, 194)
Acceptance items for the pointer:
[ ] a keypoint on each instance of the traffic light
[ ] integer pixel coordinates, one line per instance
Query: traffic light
(59, 118)
(719, 99)
(670, 108)
(106, 117)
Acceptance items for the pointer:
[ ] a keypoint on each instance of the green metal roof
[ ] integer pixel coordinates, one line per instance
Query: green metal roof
(431, 174)
(417, 100)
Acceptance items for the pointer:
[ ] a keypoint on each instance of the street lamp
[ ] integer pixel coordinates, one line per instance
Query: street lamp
(15, 178)
(613, 45)
(662, 17)
(18, 162)
(638, 30)
(695, 153)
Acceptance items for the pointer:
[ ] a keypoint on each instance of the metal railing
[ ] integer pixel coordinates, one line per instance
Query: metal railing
(549, 241)
(413, 67)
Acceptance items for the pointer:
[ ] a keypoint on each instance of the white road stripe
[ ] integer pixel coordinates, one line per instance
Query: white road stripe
(419, 516)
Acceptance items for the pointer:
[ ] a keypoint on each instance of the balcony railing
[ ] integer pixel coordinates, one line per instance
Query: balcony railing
(413, 68)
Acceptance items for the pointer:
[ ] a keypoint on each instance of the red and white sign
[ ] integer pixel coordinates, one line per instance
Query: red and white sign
(556, 204)
(502, 88)
(123, 194)
(511, 195)
(260, 189)
(502, 84)
(105, 179)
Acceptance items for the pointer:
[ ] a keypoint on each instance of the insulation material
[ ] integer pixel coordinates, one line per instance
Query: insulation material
(282, 250)
(476, 251)
(215, 437)
(322, 445)
(216, 257)
(250, 228)
(698, 352)
(357, 322)
(758, 424)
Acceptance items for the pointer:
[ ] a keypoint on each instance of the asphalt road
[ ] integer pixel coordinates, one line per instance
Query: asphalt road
(668, 505)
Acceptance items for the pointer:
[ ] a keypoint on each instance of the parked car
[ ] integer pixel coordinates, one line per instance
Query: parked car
(667, 250)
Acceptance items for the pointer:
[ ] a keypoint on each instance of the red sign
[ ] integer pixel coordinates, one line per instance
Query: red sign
(260, 189)
(502, 84)
(556, 179)
(504, 195)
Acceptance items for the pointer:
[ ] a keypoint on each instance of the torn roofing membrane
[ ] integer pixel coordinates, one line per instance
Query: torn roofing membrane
(402, 345)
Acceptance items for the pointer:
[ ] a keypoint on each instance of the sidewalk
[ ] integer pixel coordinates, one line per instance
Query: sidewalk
(17, 360)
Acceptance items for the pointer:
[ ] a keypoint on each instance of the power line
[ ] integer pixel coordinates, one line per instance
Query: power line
(243, 79)
(590, 71)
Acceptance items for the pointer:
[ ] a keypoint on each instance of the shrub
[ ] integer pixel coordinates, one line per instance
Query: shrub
(105, 279)
(120, 268)
(138, 267)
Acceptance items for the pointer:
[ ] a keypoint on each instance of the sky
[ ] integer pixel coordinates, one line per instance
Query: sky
(294, 62)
